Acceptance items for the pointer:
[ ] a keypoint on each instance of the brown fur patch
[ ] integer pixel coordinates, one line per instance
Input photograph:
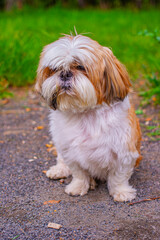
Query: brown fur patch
(116, 77)
(134, 142)
(42, 75)
(108, 76)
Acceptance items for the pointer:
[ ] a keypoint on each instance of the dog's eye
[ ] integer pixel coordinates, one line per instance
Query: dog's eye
(81, 68)
(54, 69)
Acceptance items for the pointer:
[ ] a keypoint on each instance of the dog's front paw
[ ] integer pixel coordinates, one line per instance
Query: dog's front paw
(77, 187)
(58, 171)
(124, 194)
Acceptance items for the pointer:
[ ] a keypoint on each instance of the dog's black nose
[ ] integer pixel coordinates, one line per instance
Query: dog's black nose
(65, 76)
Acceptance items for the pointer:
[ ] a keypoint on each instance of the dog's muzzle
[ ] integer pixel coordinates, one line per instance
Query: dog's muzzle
(65, 78)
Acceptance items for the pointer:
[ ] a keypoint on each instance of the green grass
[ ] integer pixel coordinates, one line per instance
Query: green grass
(24, 33)
(139, 111)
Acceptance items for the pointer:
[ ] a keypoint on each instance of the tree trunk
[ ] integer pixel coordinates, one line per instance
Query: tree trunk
(81, 3)
(9, 4)
(19, 4)
(139, 4)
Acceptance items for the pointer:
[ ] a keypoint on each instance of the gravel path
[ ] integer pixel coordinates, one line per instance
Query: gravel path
(25, 188)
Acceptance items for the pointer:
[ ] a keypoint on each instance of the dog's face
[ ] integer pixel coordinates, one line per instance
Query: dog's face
(76, 73)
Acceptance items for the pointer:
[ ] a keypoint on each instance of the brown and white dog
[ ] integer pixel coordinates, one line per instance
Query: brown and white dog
(93, 124)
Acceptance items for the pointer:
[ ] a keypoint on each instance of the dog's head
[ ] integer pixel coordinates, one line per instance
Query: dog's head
(76, 73)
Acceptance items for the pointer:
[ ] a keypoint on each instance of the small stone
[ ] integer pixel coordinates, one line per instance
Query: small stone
(30, 160)
(54, 225)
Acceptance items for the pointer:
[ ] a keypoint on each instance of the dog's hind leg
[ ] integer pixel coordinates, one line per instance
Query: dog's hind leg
(119, 176)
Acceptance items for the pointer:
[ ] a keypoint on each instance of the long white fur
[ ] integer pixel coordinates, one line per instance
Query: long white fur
(96, 141)
(80, 85)
(91, 140)
(63, 52)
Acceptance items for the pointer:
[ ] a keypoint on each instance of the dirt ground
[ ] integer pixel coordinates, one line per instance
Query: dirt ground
(25, 190)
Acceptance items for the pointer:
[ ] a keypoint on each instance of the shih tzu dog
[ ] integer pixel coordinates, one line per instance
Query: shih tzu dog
(93, 125)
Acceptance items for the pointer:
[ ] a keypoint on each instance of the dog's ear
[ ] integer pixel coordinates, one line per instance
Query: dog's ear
(42, 73)
(115, 77)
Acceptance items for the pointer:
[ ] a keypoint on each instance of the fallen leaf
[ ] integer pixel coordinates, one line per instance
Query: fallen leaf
(54, 152)
(1, 141)
(36, 109)
(44, 171)
(148, 119)
(49, 149)
(51, 201)
(154, 99)
(12, 111)
(5, 101)
(144, 139)
(54, 225)
(28, 109)
(39, 127)
(142, 82)
(49, 145)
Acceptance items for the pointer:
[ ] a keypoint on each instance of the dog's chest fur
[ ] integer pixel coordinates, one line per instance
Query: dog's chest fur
(95, 139)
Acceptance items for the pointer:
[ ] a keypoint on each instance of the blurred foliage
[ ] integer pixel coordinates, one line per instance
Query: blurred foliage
(155, 34)
(4, 92)
(152, 89)
(8, 4)
(25, 33)
(153, 85)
